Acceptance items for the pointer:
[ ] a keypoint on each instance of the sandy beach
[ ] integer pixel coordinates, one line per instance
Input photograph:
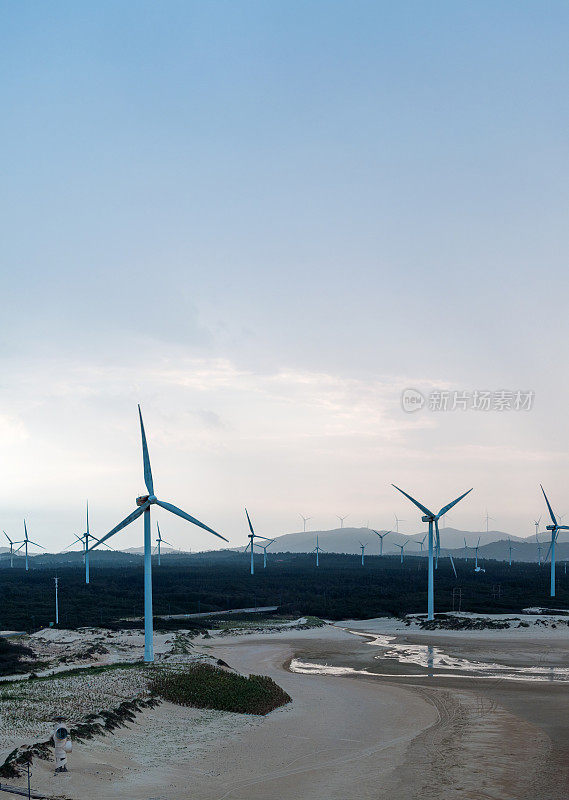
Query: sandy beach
(344, 735)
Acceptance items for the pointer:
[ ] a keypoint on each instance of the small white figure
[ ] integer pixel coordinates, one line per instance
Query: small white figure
(63, 744)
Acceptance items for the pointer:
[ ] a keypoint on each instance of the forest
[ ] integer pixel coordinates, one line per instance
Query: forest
(339, 588)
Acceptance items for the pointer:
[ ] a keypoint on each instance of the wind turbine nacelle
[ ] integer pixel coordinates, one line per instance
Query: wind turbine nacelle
(140, 501)
(550, 527)
(426, 519)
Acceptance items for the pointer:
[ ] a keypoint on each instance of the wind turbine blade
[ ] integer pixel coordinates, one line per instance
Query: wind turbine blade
(180, 513)
(7, 537)
(423, 508)
(36, 544)
(249, 521)
(548, 552)
(103, 543)
(453, 567)
(158, 529)
(450, 505)
(552, 515)
(126, 521)
(145, 457)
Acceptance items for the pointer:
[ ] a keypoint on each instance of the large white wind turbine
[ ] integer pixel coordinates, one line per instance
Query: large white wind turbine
(84, 541)
(144, 503)
(342, 519)
(397, 521)
(554, 528)
(381, 538)
(487, 517)
(433, 520)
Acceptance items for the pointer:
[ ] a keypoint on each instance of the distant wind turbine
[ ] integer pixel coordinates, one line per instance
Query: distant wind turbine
(363, 547)
(466, 549)
(11, 548)
(264, 549)
(402, 547)
(539, 549)
(252, 537)
(452, 565)
(488, 518)
(304, 521)
(421, 542)
(318, 550)
(476, 554)
(536, 523)
(159, 541)
(143, 507)
(381, 538)
(84, 540)
(510, 548)
(397, 521)
(433, 520)
(554, 528)
(26, 541)
(342, 519)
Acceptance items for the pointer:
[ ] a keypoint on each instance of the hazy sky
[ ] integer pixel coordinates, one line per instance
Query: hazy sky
(263, 221)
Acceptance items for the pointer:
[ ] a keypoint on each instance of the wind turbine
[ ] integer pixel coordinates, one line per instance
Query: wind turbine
(554, 528)
(143, 507)
(452, 565)
(252, 537)
(488, 518)
(304, 521)
(264, 548)
(402, 547)
(25, 544)
(421, 542)
(381, 538)
(510, 548)
(397, 521)
(536, 523)
(466, 548)
(84, 540)
(342, 519)
(317, 550)
(159, 541)
(539, 549)
(363, 547)
(476, 555)
(433, 520)
(11, 548)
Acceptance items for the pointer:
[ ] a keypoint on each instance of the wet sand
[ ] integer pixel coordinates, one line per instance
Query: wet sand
(343, 737)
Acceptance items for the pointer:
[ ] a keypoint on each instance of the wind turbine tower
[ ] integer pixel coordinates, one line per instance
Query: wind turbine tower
(510, 548)
(539, 549)
(476, 554)
(433, 520)
(143, 507)
(363, 547)
(56, 601)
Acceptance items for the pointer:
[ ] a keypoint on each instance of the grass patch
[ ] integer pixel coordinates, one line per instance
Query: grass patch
(206, 686)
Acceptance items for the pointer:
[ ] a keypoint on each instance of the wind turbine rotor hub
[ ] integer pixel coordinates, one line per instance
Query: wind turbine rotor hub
(427, 519)
(140, 501)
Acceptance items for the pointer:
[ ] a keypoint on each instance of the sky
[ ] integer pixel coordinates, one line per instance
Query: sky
(264, 221)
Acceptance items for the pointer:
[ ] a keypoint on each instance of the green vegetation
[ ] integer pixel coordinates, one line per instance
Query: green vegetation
(206, 686)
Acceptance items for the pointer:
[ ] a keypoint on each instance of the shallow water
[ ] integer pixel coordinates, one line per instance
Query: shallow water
(396, 660)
